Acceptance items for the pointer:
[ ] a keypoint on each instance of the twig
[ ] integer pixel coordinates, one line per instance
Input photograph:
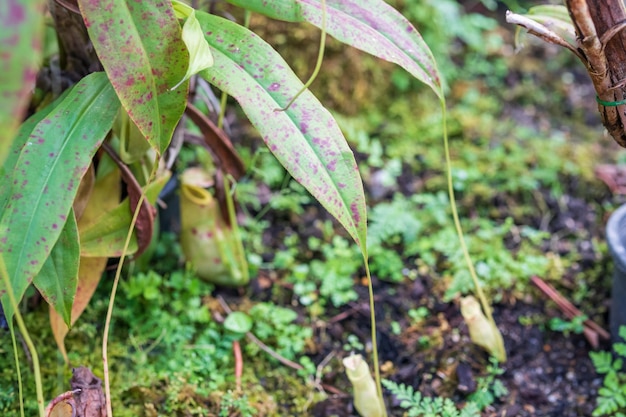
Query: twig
(334, 390)
(591, 329)
(260, 344)
(71, 6)
(318, 379)
(610, 34)
(238, 364)
(344, 314)
(540, 31)
(320, 368)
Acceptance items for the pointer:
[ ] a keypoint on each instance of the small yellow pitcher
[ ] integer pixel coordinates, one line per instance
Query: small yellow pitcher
(213, 249)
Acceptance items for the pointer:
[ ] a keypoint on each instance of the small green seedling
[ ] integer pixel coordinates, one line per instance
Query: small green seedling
(576, 325)
(238, 324)
(234, 404)
(489, 387)
(420, 406)
(417, 315)
(612, 396)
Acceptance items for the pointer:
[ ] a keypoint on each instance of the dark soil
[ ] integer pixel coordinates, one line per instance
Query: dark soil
(547, 373)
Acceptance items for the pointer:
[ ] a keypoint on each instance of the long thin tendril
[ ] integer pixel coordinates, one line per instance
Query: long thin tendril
(318, 64)
(29, 342)
(370, 288)
(118, 273)
(246, 18)
(220, 117)
(457, 224)
(20, 388)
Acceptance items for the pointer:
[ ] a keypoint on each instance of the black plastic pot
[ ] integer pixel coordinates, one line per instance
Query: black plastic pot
(169, 215)
(616, 238)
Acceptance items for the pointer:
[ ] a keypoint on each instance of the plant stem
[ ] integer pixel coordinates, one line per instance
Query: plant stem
(118, 273)
(238, 364)
(239, 253)
(27, 339)
(259, 343)
(457, 224)
(318, 64)
(20, 388)
(246, 18)
(379, 388)
(220, 117)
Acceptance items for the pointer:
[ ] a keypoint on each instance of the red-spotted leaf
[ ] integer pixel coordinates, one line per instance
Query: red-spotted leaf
(369, 25)
(140, 46)
(285, 10)
(305, 138)
(58, 278)
(43, 171)
(21, 30)
(199, 53)
(18, 143)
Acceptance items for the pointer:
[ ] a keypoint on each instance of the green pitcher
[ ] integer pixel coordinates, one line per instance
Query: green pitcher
(213, 249)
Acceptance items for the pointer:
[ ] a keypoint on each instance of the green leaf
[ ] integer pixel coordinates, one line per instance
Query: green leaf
(21, 32)
(606, 405)
(238, 322)
(58, 278)
(142, 52)
(19, 142)
(285, 10)
(200, 57)
(305, 138)
(611, 381)
(622, 332)
(369, 25)
(620, 348)
(601, 361)
(43, 170)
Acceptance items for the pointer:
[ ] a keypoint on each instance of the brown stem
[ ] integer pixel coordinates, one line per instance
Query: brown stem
(217, 141)
(262, 345)
(144, 227)
(591, 329)
(238, 364)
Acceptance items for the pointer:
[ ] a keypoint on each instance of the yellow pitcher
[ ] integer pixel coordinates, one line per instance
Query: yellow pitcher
(213, 249)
